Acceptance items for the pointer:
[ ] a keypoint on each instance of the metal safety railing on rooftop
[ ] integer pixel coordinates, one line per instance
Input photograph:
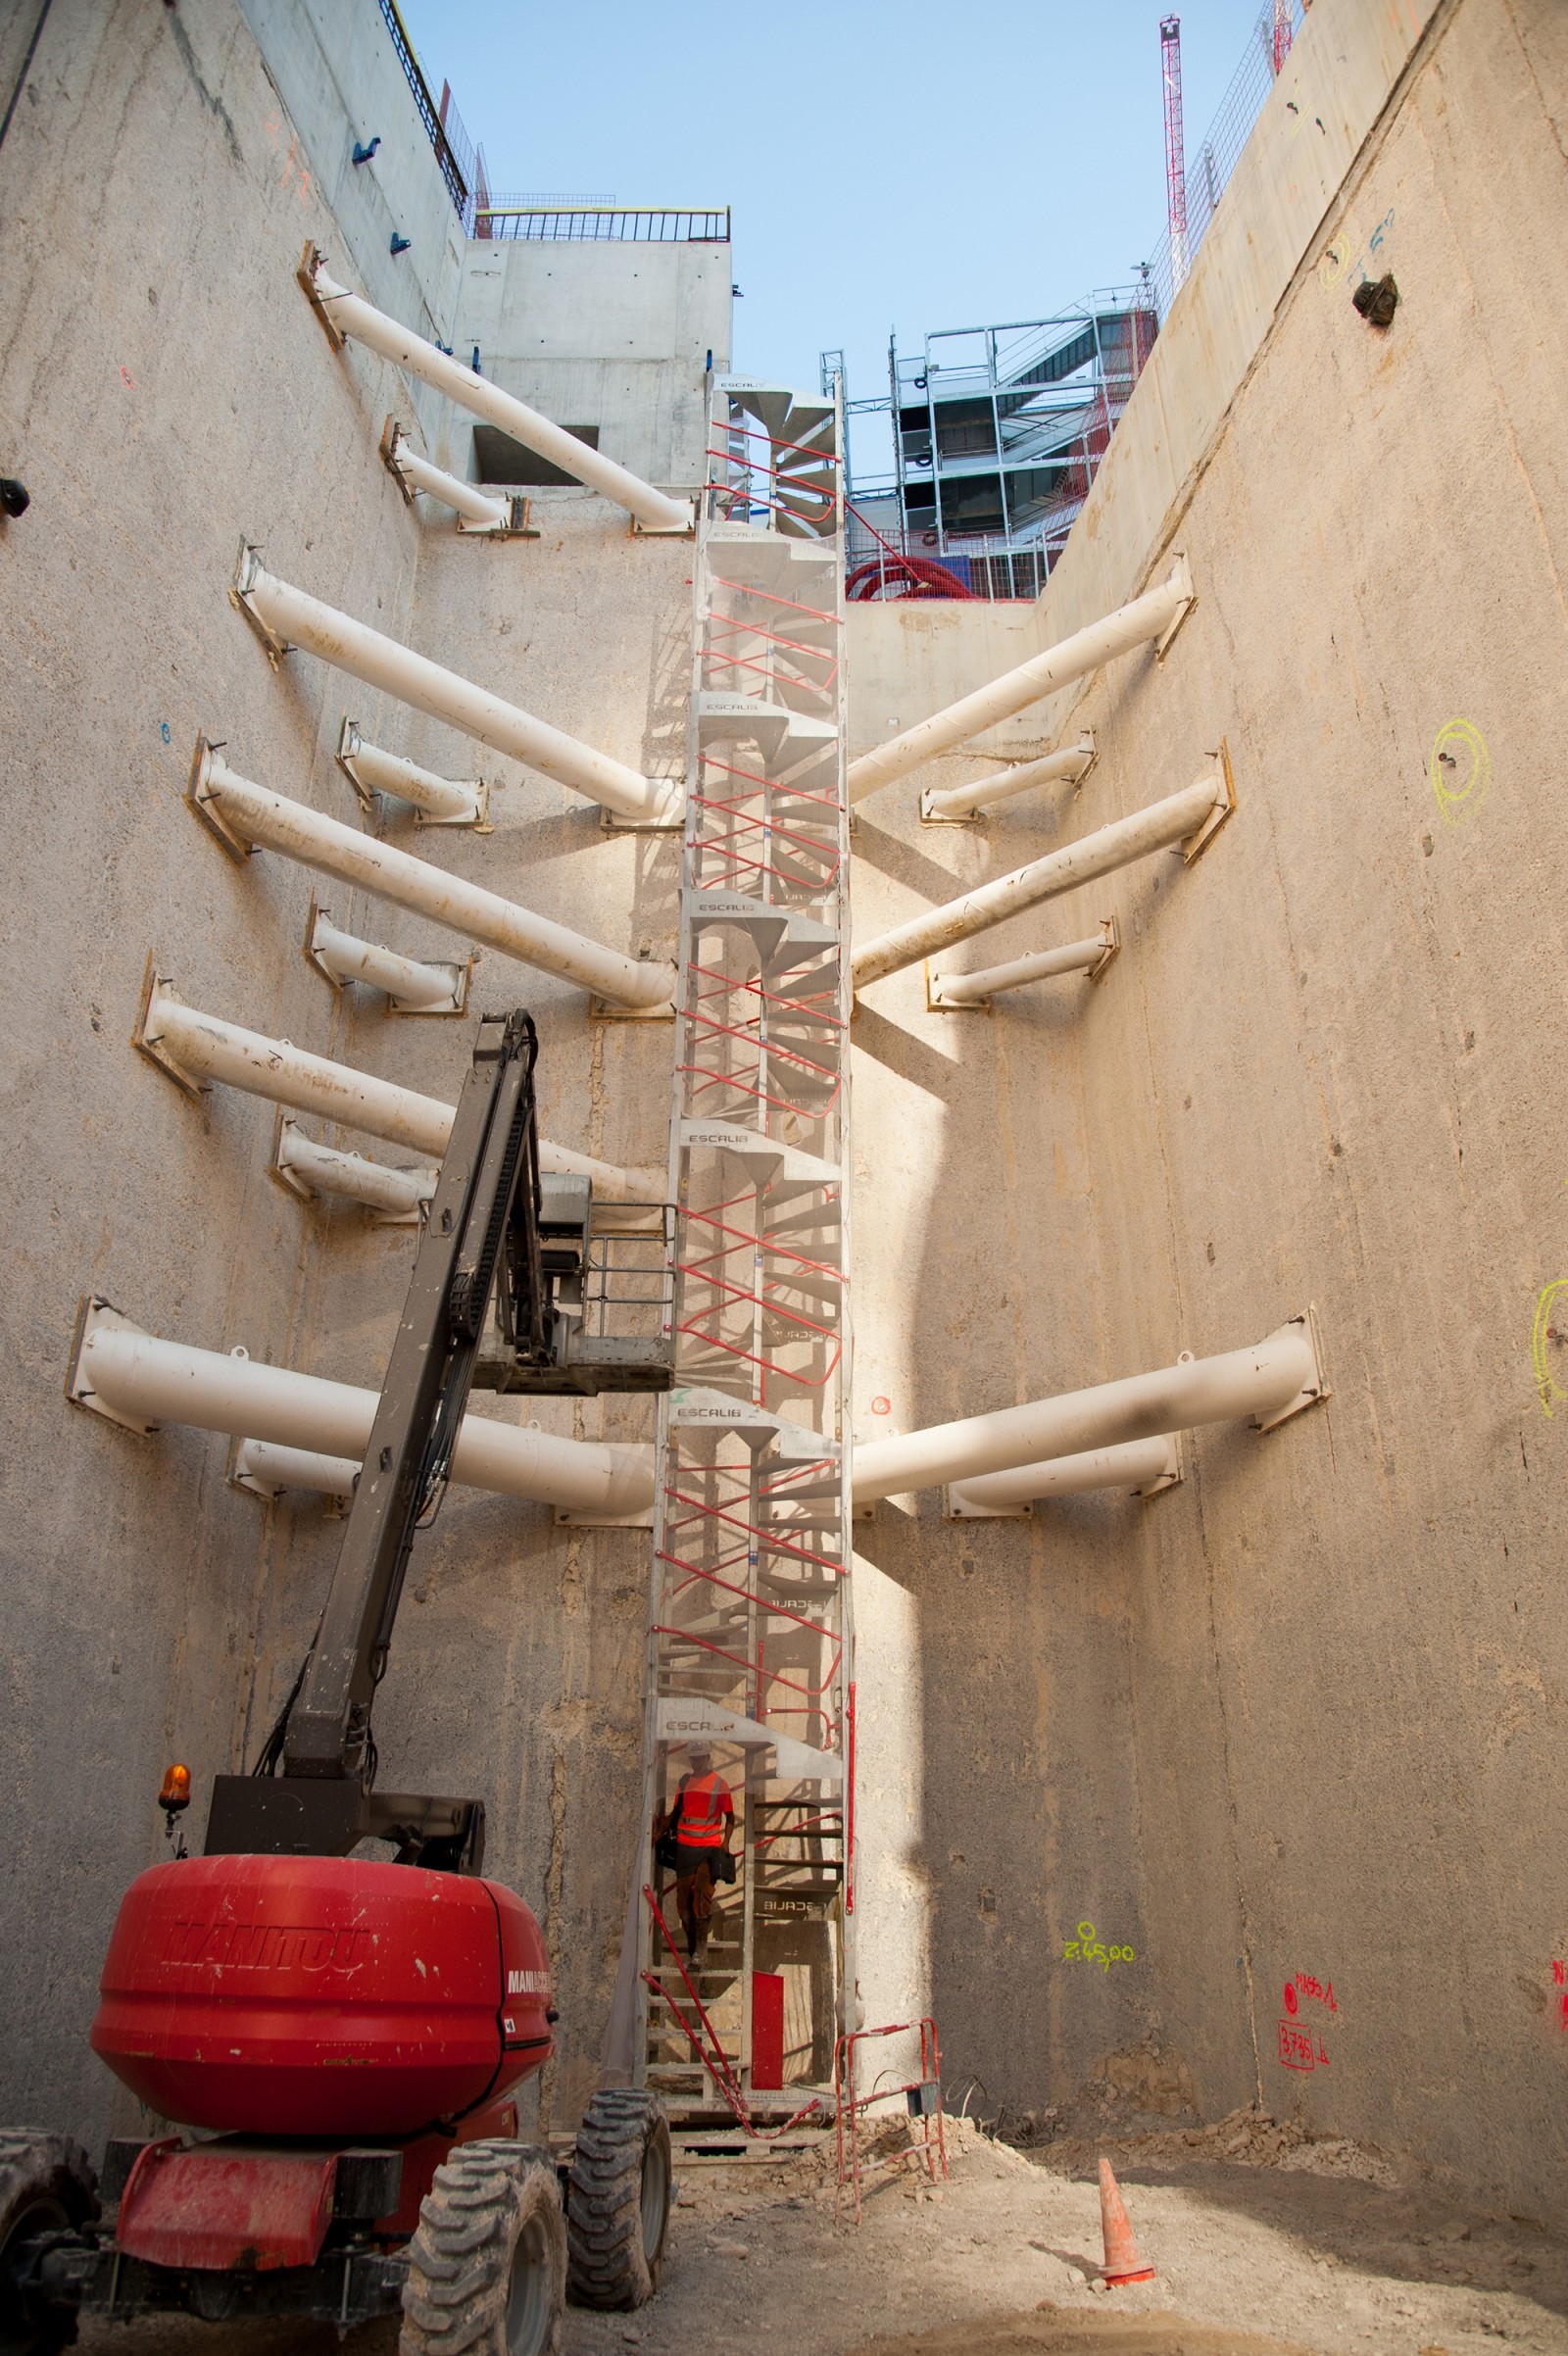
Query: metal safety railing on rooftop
(484, 215)
(644, 225)
(453, 149)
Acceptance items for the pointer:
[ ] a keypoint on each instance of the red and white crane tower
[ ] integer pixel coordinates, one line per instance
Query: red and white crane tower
(1170, 60)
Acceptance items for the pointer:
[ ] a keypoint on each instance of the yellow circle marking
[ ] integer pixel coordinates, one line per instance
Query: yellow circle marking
(1335, 262)
(1460, 770)
(1545, 1381)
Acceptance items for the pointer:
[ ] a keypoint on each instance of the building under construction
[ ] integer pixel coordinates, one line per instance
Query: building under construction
(413, 617)
(997, 434)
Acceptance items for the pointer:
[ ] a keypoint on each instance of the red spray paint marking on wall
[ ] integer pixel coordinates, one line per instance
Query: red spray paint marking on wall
(1301, 2049)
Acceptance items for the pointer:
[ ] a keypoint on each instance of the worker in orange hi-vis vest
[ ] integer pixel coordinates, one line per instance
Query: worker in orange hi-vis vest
(693, 1838)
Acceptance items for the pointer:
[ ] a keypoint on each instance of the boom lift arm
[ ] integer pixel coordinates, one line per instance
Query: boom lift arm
(482, 1236)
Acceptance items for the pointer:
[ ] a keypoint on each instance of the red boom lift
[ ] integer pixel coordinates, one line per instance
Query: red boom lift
(347, 2034)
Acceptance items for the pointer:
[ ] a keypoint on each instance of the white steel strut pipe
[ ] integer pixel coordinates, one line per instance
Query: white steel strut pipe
(349, 315)
(437, 801)
(194, 1048)
(290, 616)
(1138, 1464)
(308, 1169)
(1190, 814)
(1090, 956)
(984, 792)
(410, 988)
(266, 1469)
(245, 816)
(142, 1381)
(496, 518)
(1273, 1379)
(1155, 614)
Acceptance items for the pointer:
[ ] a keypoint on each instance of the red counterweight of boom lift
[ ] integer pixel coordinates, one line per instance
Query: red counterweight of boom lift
(320, 1995)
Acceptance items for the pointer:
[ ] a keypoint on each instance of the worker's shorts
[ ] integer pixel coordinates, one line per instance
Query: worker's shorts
(689, 1861)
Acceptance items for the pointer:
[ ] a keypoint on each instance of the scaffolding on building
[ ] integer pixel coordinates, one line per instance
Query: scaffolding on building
(750, 1648)
(996, 433)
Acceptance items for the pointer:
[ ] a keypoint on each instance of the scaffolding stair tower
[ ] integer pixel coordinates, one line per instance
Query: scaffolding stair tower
(750, 1645)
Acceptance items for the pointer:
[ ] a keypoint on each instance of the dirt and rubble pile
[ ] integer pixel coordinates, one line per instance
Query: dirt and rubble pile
(1243, 2139)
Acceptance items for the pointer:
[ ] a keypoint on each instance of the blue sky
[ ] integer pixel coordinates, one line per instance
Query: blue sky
(919, 165)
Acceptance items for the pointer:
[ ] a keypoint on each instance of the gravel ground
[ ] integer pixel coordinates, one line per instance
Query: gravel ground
(1263, 2241)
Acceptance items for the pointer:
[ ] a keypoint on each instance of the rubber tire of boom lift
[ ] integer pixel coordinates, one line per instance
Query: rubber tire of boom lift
(487, 2267)
(47, 2185)
(617, 2199)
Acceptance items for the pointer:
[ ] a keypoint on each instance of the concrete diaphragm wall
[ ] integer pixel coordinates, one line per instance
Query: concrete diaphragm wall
(1287, 1724)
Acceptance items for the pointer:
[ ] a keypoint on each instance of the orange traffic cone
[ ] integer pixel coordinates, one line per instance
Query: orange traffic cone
(1124, 2260)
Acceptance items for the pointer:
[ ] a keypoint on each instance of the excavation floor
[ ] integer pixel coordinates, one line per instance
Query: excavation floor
(1253, 2260)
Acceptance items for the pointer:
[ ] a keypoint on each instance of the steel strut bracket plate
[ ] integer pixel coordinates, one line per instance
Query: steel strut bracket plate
(251, 1485)
(609, 1009)
(936, 1003)
(1110, 934)
(1188, 600)
(203, 804)
(1313, 1391)
(1194, 845)
(96, 1315)
(239, 594)
(349, 741)
(1090, 748)
(462, 976)
(310, 262)
(479, 824)
(391, 438)
(517, 526)
(956, 1508)
(1175, 1469)
(279, 1169)
(147, 1038)
(670, 820)
(668, 531)
(568, 1517)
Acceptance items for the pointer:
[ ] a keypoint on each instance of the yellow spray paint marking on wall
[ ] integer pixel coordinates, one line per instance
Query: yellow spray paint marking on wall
(1087, 1948)
(1460, 770)
(1545, 1381)
(1339, 257)
(1335, 262)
